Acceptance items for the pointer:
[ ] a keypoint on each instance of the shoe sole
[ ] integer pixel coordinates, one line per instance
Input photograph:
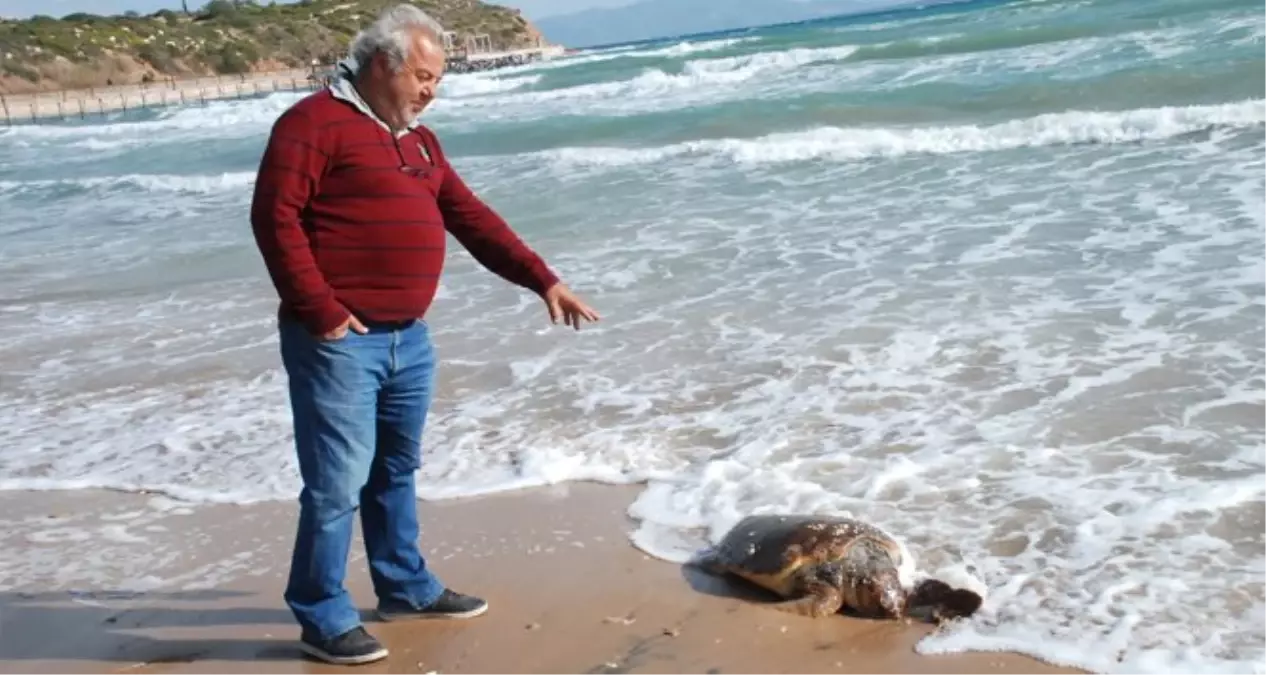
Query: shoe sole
(421, 616)
(321, 654)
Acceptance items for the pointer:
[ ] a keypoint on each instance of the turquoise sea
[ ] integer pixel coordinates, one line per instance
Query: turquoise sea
(988, 274)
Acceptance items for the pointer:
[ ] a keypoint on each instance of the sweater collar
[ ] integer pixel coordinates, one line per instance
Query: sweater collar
(342, 88)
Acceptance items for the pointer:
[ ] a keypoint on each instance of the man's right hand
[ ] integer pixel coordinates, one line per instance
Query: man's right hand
(352, 323)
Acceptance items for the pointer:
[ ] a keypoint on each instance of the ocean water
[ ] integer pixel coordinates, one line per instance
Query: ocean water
(989, 275)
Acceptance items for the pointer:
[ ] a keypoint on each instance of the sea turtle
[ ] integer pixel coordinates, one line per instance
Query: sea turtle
(822, 564)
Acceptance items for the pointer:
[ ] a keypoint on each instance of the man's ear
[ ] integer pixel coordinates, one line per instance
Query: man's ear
(378, 65)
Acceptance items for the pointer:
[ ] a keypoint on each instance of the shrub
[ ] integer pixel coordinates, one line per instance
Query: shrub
(230, 36)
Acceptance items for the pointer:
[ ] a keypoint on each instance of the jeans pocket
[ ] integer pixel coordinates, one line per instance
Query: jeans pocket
(334, 340)
(299, 337)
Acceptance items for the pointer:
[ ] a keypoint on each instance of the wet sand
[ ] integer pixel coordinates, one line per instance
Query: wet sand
(109, 582)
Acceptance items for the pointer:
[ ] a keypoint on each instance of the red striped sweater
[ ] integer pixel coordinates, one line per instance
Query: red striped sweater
(349, 218)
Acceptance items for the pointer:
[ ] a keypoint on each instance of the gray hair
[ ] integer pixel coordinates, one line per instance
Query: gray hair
(390, 34)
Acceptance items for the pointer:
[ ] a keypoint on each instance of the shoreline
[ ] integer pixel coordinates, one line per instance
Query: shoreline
(68, 104)
(147, 584)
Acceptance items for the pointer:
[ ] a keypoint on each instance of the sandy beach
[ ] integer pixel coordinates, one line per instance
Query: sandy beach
(135, 583)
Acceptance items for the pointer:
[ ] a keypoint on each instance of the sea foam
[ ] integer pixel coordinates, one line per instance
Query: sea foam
(1027, 341)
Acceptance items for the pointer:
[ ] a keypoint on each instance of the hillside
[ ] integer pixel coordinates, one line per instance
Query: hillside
(224, 37)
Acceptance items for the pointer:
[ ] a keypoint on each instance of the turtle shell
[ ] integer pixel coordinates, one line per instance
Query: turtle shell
(769, 549)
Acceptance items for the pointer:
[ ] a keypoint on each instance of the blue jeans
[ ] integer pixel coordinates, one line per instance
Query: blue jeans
(359, 405)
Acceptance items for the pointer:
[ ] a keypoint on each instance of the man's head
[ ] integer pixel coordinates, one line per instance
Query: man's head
(400, 61)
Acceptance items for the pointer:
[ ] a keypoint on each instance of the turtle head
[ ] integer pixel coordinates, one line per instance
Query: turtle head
(936, 601)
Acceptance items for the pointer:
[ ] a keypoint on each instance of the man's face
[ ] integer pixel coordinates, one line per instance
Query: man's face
(412, 88)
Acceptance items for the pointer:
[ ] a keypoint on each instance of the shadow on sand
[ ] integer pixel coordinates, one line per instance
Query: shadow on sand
(106, 626)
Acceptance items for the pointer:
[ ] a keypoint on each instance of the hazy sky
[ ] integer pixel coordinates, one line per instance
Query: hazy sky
(23, 8)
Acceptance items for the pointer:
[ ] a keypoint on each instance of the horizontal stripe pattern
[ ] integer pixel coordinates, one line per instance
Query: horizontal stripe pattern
(349, 219)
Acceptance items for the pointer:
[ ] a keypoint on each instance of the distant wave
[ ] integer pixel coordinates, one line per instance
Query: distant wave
(683, 48)
(241, 117)
(478, 84)
(842, 144)
(695, 73)
(962, 43)
(1160, 38)
(195, 184)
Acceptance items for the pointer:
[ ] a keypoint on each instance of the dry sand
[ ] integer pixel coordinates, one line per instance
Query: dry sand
(568, 594)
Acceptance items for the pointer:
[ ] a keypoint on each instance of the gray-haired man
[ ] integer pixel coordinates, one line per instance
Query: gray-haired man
(350, 212)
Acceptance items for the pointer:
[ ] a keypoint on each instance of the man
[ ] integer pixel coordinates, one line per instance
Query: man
(350, 211)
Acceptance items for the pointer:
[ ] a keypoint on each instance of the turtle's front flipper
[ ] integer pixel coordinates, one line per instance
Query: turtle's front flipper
(819, 600)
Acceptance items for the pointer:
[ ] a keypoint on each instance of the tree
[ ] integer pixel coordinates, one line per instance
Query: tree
(219, 8)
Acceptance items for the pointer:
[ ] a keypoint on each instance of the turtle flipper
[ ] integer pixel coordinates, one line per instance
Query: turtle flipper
(819, 600)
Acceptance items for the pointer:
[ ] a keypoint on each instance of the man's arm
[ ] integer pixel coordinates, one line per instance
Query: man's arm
(486, 235)
(289, 171)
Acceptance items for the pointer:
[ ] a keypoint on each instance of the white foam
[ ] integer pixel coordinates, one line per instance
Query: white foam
(194, 184)
(129, 553)
(847, 144)
(225, 118)
(683, 48)
(1030, 349)
(828, 69)
(751, 65)
(653, 88)
(463, 85)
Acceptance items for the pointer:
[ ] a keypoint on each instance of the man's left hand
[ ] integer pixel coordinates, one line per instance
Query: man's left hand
(564, 304)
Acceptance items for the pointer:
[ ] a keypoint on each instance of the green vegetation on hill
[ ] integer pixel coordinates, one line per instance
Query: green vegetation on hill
(223, 37)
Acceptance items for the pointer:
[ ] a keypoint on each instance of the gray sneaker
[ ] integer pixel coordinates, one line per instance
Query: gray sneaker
(355, 647)
(450, 605)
